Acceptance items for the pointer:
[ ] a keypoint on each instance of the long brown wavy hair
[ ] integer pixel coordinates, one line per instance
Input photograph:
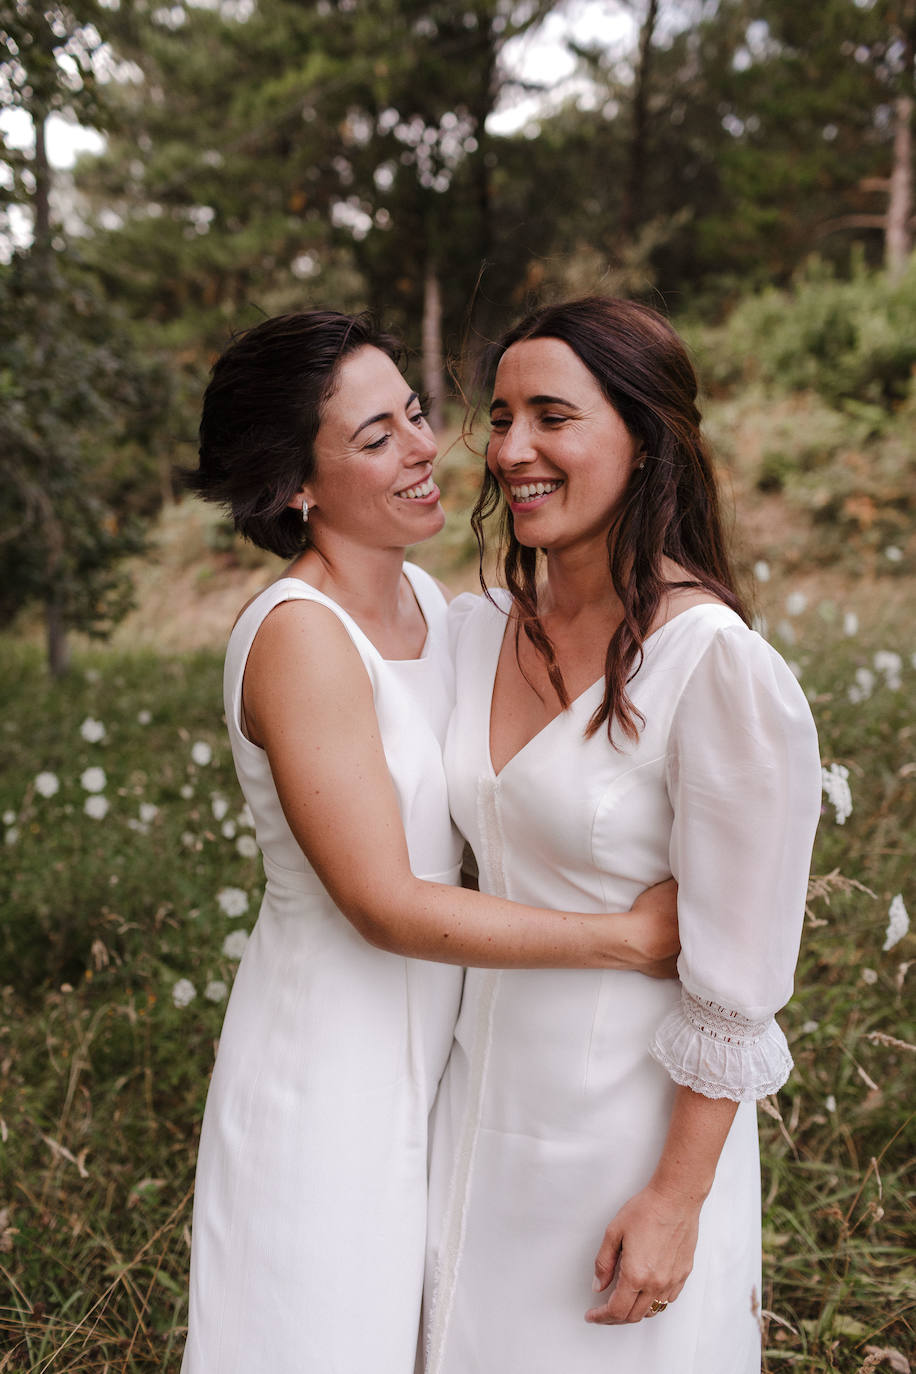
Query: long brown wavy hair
(669, 509)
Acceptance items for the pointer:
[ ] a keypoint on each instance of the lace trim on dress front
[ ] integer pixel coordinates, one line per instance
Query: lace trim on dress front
(718, 1052)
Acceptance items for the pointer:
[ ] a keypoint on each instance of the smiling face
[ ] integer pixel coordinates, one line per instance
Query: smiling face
(559, 450)
(374, 456)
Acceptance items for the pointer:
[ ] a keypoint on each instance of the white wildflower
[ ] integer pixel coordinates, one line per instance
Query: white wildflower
(9, 817)
(234, 944)
(216, 990)
(865, 681)
(186, 791)
(227, 830)
(96, 807)
(184, 992)
(835, 782)
(869, 976)
(46, 784)
(246, 845)
(830, 1103)
(245, 817)
(232, 901)
(93, 779)
(810, 1027)
(796, 603)
(148, 812)
(786, 631)
(201, 753)
(134, 824)
(850, 624)
(12, 835)
(891, 665)
(893, 554)
(188, 839)
(144, 717)
(898, 923)
(219, 806)
(92, 731)
(762, 570)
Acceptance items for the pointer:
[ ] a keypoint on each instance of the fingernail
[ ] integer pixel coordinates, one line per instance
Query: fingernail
(597, 1285)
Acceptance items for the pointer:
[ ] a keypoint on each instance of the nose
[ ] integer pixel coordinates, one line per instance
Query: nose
(514, 445)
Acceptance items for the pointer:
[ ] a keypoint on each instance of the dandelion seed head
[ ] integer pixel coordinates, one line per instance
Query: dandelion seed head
(835, 783)
(898, 923)
(92, 731)
(246, 846)
(234, 944)
(47, 784)
(762, 570)
(93, 779)
(227, 830)
(184, 992)
(148, 812)
(232, 901)
(216, 990)
(201, 753)
(219, 806)
(96, 806)
(869, 976)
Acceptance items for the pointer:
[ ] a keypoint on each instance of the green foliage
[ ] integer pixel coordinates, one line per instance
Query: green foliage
(103, 1077)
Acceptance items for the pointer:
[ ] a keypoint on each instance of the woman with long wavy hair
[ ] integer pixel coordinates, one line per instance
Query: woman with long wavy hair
(595, 1196)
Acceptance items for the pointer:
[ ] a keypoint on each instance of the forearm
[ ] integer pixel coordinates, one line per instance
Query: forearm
(696, 1135)
(453, 925)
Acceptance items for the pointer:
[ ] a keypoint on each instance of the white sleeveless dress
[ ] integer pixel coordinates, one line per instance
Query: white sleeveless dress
(310, 1202)
(555, 1105)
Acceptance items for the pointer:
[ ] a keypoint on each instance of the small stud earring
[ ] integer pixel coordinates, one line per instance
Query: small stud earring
(305, 512)
(641, 464)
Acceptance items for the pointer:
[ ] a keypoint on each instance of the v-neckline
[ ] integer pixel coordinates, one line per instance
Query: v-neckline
(567, 711)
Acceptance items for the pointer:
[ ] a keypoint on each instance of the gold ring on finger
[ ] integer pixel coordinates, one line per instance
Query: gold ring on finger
(655, 1307)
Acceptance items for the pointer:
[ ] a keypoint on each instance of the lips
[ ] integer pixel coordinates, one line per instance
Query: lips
(419, 490)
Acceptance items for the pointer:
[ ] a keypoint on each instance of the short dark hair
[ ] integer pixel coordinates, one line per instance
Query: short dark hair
(671, 506)
(261, 413)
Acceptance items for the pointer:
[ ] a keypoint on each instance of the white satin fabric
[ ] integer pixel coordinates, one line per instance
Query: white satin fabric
(556, 1101)
(310, 1203)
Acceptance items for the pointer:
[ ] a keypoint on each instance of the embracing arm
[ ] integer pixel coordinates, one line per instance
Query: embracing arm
(308, 703)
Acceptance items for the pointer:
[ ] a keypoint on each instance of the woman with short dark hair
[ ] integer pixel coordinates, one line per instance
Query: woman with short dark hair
(616, 723)
(310, 1204)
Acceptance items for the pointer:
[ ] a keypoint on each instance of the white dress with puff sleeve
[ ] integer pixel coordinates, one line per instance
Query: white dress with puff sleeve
(555, 1105)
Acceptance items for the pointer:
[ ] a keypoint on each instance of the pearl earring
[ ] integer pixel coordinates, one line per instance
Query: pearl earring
(305, 511)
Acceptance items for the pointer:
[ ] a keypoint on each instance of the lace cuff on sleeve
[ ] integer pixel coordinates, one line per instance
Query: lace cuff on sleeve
(720, 1053)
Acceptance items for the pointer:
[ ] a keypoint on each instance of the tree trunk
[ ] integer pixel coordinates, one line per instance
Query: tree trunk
(631, 211)
(433, 377)
(58, 644)
(898, 240)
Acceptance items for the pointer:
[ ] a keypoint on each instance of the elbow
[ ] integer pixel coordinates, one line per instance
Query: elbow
(380, 921)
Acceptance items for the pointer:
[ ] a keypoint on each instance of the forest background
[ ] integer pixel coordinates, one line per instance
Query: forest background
(744, 165)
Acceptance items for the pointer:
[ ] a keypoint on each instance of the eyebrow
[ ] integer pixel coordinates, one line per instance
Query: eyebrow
(383, 415)
(535, 401)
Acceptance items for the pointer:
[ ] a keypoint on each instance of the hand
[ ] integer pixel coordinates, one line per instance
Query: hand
(652, 926)
(648, 1248)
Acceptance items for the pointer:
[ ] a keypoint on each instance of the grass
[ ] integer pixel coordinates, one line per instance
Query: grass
(103, 1076)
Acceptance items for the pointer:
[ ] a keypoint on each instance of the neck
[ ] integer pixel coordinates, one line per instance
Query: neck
(578, 581)
(366, 581)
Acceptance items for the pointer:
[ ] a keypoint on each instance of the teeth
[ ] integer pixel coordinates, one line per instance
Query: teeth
(532, 489)
(421, 489)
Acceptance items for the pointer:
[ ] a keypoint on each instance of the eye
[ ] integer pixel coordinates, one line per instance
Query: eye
(377, 444)
(554, 420)
(418, 417)
(499, 423)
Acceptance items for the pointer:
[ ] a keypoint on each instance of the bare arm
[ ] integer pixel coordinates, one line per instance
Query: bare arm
(308, 703)
(649, 1245)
